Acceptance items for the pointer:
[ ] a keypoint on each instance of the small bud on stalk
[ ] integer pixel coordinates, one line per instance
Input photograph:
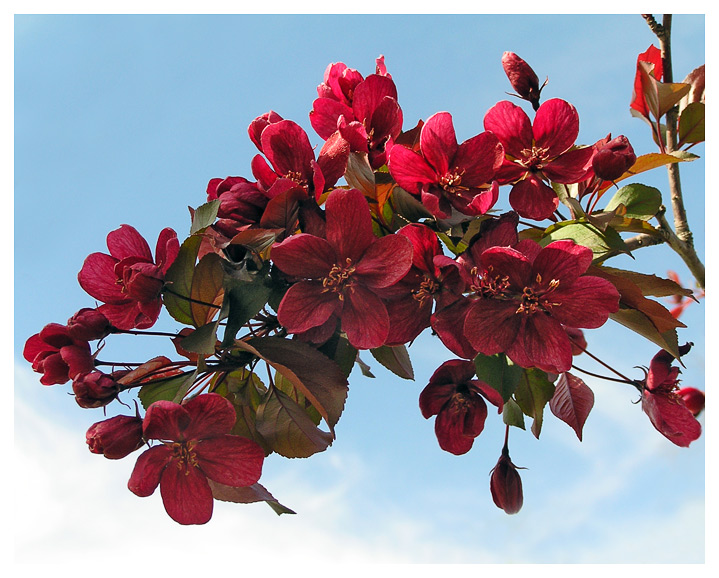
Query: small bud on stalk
(523, 79)
(116, 437)
(613, 159)
(94, 389)
(506, 485)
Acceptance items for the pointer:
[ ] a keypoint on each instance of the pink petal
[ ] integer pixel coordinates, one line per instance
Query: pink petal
(449, 428)
(148, 470)
(349, 224)
(231, 460)
(494, 397)
(78, 359)
(410, 170)
(165, 420)
(127, 242)
(305, 256)
(369, 94)
(385, 262)
(386, 121)
(128, 315)
(556, 126)
(364, 319)
(262, 172)
(480, 158)
(425, 246)
(532, 199)
(483, 200)
(324, 115)
(97, 277)
(333, 158)
(438, 142)
(210, 415)
(408, 317)
(305, 306)
(512, 127)
(186, 495)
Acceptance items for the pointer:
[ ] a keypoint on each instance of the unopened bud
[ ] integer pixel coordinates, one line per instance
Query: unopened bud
(522, 78)
(94, 389)
(116, 437)
(693, 399)
(613, 159)
(506, 485)
(88, 325)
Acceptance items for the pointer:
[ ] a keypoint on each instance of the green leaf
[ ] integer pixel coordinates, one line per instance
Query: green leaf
(408, 206)
(204, 216)
(245, 298)
(639, 201)
(499, 373)
(396, 359)
(512, 414)
(339, 349)
(165, 389)
(245, 391)
(651, 285)
(568, 196)
(602, 243)
(533, 393)
(287, 427)
(315, 375)
(178, 279)
(691, 124)
(202, 340)
(364, 368)
(247, 495)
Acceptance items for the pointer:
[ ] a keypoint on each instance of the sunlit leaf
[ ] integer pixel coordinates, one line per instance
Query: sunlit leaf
(533, 392)
(691, 124)
(512, 414)
(639, 201)
(207, 288)
(572, 401)
(204, 216)
(499, 373)
(247, 495)
(178, 280)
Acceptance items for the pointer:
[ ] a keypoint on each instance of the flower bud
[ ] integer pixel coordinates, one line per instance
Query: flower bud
(115, 437)
(693, 399)
(506, 485)
(88, 325)
(613, 159)
(94, 389)
(522, 78)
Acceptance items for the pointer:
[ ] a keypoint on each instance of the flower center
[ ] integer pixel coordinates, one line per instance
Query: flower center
(184, 455)
(338, 278)
(452, 181)
(535, 300)
(534, 159)
(426, 289)
(296, 177)
(489, 285)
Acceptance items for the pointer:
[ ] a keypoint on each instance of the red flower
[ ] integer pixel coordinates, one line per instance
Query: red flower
(538, 152)
(526, 295)
(456, 399)
(241, 203)
(94, 389)
(196, 447)
(661, 401)
(365, 111)
(57, 355)
(116, 437)
(506, 485)
(340, 275)
(446, 175)
(88, 325)
(127, 280)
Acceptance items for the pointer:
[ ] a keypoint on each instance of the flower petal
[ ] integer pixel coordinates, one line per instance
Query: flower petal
(562, 260)
(556, 126)
(148, 470)
(512, 127)
(671, 418)
(385, 262)
(445, 323)
(506, 262)
(186, 495)
(210, 415)
(541, 342)
(324, 115)
(364, 319)
(231, 460)
(165, 420)
(491, 325)
(438, 142)
(480, 158)
(571, 167)
(434, 396)
(287, 147)
(305, 306)
(127, 242)
(97, 277)
(532, 199)
(304, 256)
(410, 170)
(349, 224)
(167, 249)
(586, 303)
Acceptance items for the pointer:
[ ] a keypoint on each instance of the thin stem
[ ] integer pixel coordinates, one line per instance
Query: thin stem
(600, 362)
(133, 332)
(630, 382)
(190, 299)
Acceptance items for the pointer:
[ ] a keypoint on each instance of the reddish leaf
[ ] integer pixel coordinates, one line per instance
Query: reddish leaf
(247, 495)
(207, 287)
(572, 401)
(147, 368)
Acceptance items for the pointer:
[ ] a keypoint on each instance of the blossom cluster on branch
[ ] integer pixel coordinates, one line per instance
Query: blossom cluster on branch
(383, 234)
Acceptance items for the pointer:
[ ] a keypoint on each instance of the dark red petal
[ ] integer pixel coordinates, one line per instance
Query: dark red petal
(510, 263)
(556, 126)
(349, 224)
(386, 121)
(408, 317)
(186, 495)
(210, 415)
(482, 201)
(305, 306)
(262, 172)
(586, 303)
(304, 256)
(661, 370)
(165, 420)
(562, 260)
(671, 417)
(34, 346)
(332, 159)
(453, 371)
(475, 417)
(425, 246)
(494, 397)
(434, 396)
(127, 242)
(167, 249)
(148, 470)
(78, 359)
(385, 262)
(479, 157)
(54, 369)
(364, 318)
(541, 342)
(449, 428)
(532, 199)
(127, 315)
(449, 323)
(369, 94)
(288, 149)
(324, 115)
(512, 127)
(491, 326)
(438, 142)
(571, 167)
(231, 460)
(410, 170)
(97, 277)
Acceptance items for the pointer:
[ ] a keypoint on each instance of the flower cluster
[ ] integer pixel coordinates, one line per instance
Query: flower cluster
(288, 276)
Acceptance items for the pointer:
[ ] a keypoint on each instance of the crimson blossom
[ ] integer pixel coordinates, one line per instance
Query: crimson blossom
(667, 410)
(339, 276)
(128, 281)
(526, 295)
(447, 175)
(539, 151)
(457, 401)
(58, 355)
(197, 447)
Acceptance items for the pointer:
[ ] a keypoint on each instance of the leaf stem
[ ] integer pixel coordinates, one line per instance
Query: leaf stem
(190, 299)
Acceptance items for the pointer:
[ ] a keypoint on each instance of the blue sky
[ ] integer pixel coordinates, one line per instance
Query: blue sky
(124, 119)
